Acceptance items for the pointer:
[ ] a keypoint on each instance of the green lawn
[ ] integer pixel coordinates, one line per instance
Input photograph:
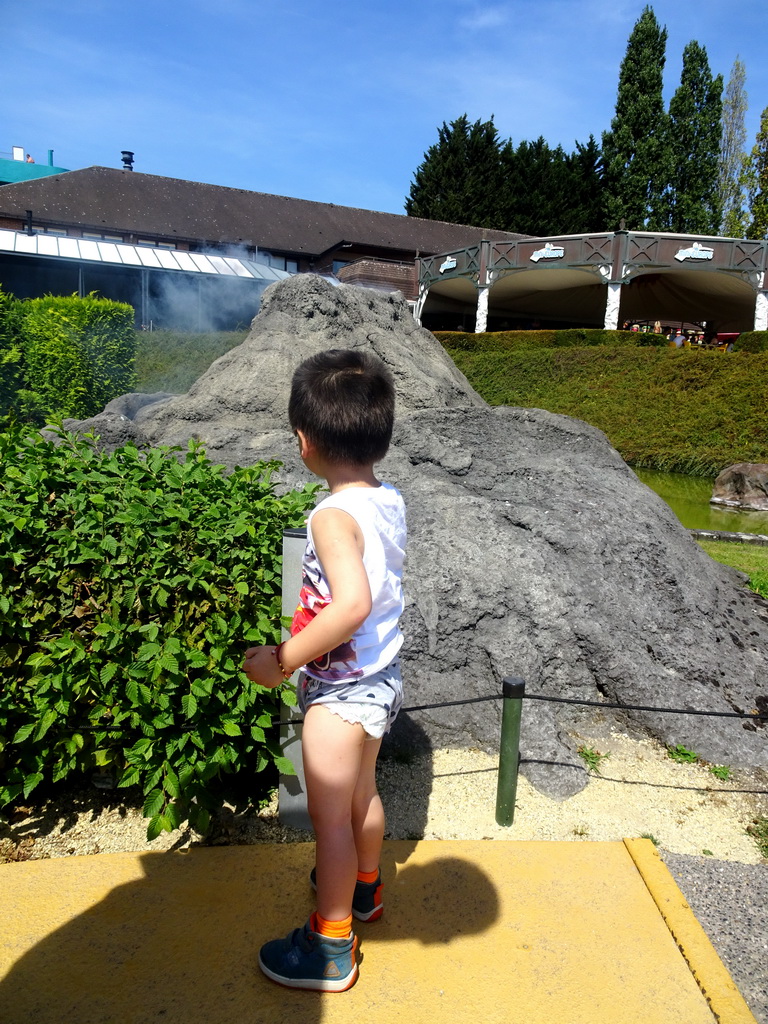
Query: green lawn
(173, 360)
(751, 559)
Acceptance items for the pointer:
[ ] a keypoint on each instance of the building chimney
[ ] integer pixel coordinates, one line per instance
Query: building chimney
(127, 157)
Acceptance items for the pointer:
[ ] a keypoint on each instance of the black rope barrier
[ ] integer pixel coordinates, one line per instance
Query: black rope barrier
(480, 700)
(643, 707)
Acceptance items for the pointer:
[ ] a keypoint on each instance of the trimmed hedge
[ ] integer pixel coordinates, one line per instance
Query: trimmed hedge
(686, 410)
(11, 355)
(502, 341)
(751, 341)
(78, 353)
(131, 584)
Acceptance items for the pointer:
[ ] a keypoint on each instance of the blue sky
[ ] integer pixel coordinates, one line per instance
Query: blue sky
(333, 102)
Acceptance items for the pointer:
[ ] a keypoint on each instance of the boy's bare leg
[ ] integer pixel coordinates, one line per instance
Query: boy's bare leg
(367, 810)
(332, 751)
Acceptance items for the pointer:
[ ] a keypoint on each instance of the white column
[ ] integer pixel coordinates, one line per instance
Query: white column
(612, 301)
(761, 311)
(481, 321)
(418, 307)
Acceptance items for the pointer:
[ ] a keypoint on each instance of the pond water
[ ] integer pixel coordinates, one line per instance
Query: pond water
(688, 497)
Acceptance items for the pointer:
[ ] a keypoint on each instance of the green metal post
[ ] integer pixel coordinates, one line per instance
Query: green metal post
(513, 691)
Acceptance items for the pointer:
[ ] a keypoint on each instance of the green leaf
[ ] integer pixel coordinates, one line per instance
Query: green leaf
(284, 766)
(130, 777)
(189, 705)
(169, 663)
(31, 781)
(159, 823)
(231, 728)
(109, 544)
(148, 651)
(154, 803)
(107, 672)
(24, 732)
(49, 717)
(174, 812)
(171, 782)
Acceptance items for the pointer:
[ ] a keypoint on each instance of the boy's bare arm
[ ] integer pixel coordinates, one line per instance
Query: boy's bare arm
(339, 547)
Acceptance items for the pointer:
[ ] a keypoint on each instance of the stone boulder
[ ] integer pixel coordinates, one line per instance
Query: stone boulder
(744, 485)
(533, 549)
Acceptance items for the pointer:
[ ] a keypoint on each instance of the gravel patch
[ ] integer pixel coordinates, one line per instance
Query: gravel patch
(451, 794)
(730, 901)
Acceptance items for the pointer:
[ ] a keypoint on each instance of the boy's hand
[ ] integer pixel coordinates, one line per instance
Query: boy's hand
(261, 667)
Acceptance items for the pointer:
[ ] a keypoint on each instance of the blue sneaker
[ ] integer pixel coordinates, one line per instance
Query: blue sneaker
(367, 903)
(306, 959)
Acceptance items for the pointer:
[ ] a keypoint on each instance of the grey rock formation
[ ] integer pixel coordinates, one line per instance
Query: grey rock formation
(744, 485)
(533, 549)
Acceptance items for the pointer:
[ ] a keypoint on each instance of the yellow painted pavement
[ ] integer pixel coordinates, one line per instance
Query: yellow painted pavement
(540, 933)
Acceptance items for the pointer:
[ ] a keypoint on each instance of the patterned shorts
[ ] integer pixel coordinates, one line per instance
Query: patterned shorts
(373, 701)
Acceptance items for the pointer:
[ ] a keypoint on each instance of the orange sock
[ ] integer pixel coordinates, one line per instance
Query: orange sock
(368, 876)
(334, 929)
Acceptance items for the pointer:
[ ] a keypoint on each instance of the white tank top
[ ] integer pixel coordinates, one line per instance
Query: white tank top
(380, 514)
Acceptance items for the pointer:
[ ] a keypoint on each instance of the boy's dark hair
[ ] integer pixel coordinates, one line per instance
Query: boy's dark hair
(344, 402)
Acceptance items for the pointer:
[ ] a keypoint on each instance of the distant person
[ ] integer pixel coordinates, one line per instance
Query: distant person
(657, 327)
(345, 638)
(678, 339)
(29, 158)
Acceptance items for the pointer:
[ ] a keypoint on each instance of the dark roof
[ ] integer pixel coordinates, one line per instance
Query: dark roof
(105, 198)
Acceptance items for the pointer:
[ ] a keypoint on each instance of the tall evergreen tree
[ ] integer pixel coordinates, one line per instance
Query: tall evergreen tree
(758, 182)
(585, 191)
(692, 201)
(635, 148)
(535, 195)
(460, 177)
(733, 157)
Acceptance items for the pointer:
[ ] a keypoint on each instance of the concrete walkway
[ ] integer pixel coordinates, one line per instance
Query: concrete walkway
(540, 933)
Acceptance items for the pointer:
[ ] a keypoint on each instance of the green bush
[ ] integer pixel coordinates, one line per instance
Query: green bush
(131, 584)
(502, 341)
(11, 355)
(172, 361)
(78, 353)
(686, 410)
(751, 341)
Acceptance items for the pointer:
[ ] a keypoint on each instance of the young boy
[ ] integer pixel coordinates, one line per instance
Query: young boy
(346, 638)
